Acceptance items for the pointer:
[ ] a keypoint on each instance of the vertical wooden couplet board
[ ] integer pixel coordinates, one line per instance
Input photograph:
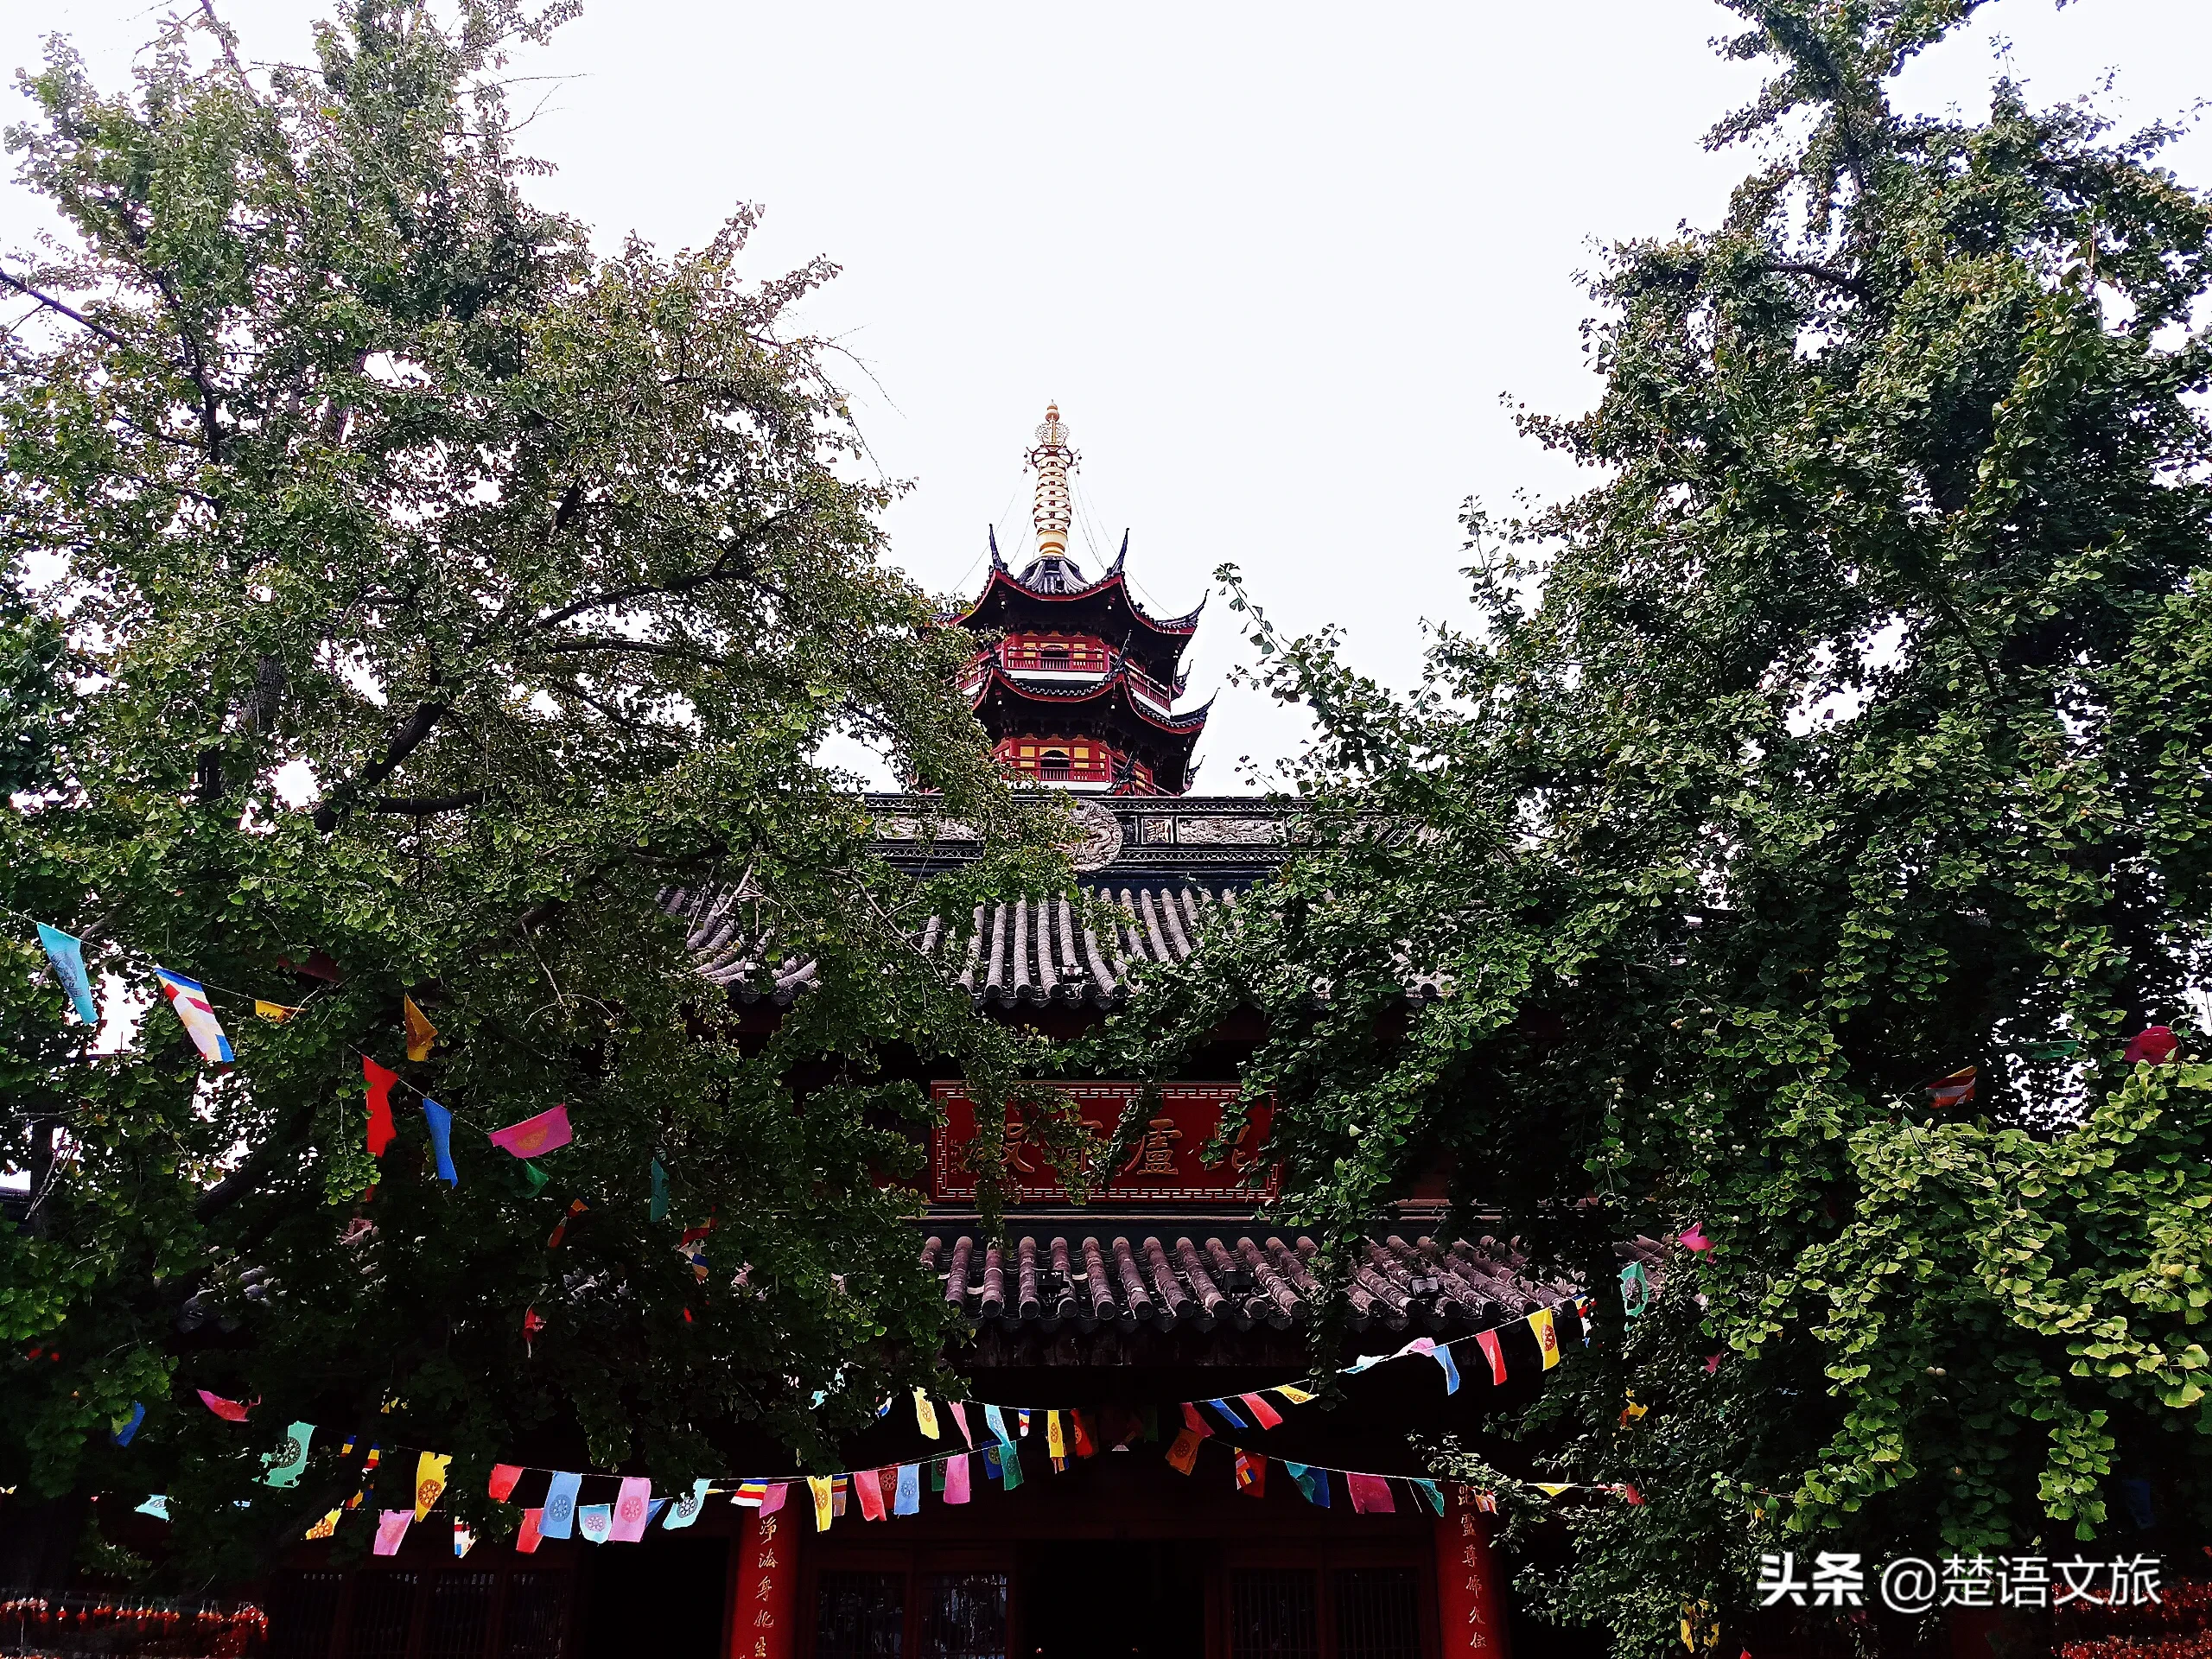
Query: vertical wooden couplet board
(763, 1612)
(1469, 1600)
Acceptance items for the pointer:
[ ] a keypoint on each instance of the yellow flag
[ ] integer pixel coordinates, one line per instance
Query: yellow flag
(275, 1012)
(819, 1486)
(420, 1033)
(1296, 1396)
(1552, 1488)
(1055, 1437)
(926, 1414)
(1547, 1336)
(430, 1481)
(325, 1528)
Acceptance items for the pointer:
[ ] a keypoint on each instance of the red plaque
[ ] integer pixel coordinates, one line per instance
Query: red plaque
(1165, 1166)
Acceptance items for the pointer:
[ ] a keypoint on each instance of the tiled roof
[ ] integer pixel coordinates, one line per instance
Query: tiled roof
(1021, 951)
(1206, 1282)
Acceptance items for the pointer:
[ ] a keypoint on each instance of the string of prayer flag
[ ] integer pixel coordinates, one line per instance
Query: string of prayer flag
(1228, 1411)
(1251, 1474)
(1313, 1483)
(1080, 1436)
(632, 1510)
(819, 1486)
(502, 1484)
(1055, 1437)
(1370, 1494)
(956, 1478)
(1267, 1416)
(595, 1521)
(67, 952)
(430, 1481)
(560, 1506)
(1487, 1341)
(189, 998)
(925, 1415)
(869, 1490)
(420, 1033)
(392, 1526)
(381, 1128)
(906, 1498)
(686, 1508)
(1546, 1335)
(1427, 1491)
(960, 1420)
(285, 1464)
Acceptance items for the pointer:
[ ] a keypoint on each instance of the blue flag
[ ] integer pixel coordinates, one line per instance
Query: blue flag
(908, 1499)
(67, 953)
(1429, 1494)
(1315, 1482)
(993, 1416)
(127, 1427)
(1442, 1356)
(560, 1512)
(440, 1122)
(1223, 1407)
(658, 1211)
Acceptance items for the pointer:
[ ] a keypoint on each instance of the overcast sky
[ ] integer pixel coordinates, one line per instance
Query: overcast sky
(1284, 267)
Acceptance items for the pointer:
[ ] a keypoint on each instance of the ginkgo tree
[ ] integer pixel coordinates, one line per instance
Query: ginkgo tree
(1853, 729)
(408, 601)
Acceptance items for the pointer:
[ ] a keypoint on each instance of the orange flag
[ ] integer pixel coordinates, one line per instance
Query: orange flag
(420, 1033)
(1184, 1452)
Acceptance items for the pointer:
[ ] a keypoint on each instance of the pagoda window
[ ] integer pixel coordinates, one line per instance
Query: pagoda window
(1052, 659)
(1052, 766)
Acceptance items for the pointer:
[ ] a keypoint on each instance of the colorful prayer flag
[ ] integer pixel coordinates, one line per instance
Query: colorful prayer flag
(559, 1512)
(231, 1411)
(956, 1478)
(1635, 1290)
(577, 1207)
(1010, 1467)
(819, 1486)
(526, 1540)
(656, 1207)
(1552, 1487)
(1229, 1412)
(440, 1122)
(2152, 1046)
(275, 1012)
(1426, 1491)
(868, 1486)
(392, 1526)
(1055, 1443)
(1193, 1423)
(189, 998)
(283, 1465)
(1487, 1341)
(1546, 1335)
(1313, 1483)
(325, 1528)
(502, 1484)
(420, 1033)
(960, 1417)
(632, 1510)
(686, 1508)
(1251, 1474)
(749, 1494)
(1267, 1415)
(1079, 1436)
(381, 1128)
(925, 1415)
(429, 1481)
(996, 1422)
(906, 1495)
(125, 1428)
(1296, 1396)
(773, 1499)
(1184, 1452)
(1486, 1502)
(1956, 1089)
(67, 952)
(1370, 1494)
(595, 1522)
(157, 1506)
(534, 1136)
(464, 1539)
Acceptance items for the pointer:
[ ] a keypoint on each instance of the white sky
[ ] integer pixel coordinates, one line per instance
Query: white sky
(1280, 264)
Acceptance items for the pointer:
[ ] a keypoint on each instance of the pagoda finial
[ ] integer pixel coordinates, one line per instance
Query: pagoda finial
(1053, 457)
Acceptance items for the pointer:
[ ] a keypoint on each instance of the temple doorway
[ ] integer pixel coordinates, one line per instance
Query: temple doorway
(1098, 1600)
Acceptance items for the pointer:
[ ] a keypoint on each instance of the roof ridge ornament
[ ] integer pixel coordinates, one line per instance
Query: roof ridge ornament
(1054, 457)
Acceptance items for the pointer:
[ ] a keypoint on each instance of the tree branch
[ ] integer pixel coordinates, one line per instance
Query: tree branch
(409, 739)
(1841, 279)
(423, 805)
(68, 311)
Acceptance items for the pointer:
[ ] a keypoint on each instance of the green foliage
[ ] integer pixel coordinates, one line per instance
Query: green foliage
(543, 576)
(1855, 727)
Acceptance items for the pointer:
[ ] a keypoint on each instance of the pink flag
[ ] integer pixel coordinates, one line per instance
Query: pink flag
(1370, 1495)
(1695, 1240)
(1487, 1341)
(870, 1489)
(229, 1410)
(956, 1477)
(2153, 1045)
(1268, 1415)
(773, 1499)
(504, 1476)
(526, 1540)
(534, 1135)
(634, 1506)
(960, 1416)
(392, 1526)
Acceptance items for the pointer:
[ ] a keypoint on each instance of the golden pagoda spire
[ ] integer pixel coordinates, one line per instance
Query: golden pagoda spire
(1053, 458)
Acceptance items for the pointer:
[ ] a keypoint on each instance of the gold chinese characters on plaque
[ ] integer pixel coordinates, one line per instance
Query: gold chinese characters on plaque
(1166, 1162)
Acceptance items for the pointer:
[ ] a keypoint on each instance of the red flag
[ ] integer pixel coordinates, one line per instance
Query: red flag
(1956, 1089)
(577, 1207)
(2153, 1045)
(1487, 1341)
(1194, 1423)
(1184, 1452)
(868, 1487)
(1268, 1415)
(531, 1325)
(229, 1410)
(1370, 1494)
(526, 1540)
(381, 1128)
(503, 1476)
(1084, 1445)
(1628, 1491)
(1697, 1243)
(1252, 1474)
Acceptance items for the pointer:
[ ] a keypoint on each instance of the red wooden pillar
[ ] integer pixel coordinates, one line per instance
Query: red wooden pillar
(764, 1611)
(1469, 1600)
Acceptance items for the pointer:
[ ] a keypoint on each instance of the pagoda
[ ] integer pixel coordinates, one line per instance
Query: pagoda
(1076, 682)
